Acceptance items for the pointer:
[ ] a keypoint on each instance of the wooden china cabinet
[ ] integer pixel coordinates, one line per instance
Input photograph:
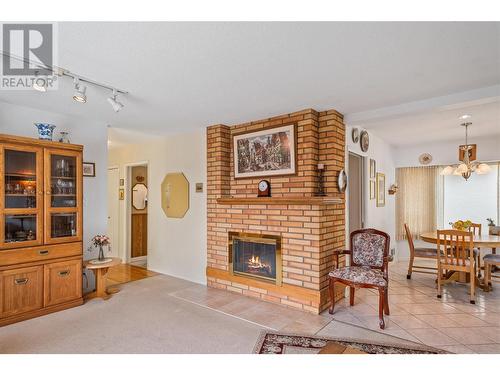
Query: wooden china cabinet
(40, 227)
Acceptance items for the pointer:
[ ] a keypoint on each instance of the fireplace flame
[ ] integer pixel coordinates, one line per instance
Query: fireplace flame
(255, 263)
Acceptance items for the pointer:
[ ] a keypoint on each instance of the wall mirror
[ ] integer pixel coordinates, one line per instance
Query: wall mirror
(139, 196)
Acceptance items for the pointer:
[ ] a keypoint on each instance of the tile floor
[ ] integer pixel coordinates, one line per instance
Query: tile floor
(451, 323)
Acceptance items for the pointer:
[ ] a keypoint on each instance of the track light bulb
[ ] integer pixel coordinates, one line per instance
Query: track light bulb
(79, 95)
(40, 83)
(117, 106)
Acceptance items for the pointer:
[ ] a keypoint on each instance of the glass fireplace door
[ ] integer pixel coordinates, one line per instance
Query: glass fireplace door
(21, 196)
(63, 189)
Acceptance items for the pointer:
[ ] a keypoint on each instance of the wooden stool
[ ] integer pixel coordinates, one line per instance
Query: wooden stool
(489, 260)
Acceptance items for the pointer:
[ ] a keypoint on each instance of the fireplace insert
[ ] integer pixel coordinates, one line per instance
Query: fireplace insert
(256, 256)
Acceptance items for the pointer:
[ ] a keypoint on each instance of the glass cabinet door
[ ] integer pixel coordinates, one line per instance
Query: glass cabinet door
(63, 190)
(21, 196)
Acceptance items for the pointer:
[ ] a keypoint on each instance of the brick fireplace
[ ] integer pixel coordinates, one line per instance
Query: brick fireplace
(307, 227)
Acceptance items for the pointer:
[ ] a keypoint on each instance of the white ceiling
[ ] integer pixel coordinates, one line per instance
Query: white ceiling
(439, 125)
(183, 76)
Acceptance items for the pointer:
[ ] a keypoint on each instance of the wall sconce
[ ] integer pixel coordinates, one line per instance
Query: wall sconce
(393, 189)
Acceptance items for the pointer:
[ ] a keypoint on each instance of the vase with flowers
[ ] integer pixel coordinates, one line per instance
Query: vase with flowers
(100, 241)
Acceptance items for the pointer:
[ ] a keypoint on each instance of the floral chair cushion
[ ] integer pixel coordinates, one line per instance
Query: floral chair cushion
(360, 275)
(368, 249)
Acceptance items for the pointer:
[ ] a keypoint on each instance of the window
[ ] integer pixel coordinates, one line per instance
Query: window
(474, 200)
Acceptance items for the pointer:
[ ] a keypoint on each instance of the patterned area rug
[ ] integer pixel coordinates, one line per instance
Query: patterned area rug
(282, 343)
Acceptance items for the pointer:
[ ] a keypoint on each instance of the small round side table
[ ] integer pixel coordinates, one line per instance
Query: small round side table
(101, 271)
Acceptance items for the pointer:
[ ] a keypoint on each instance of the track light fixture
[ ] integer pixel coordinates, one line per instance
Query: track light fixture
(44, 81)
(79, 95)
(117, 106)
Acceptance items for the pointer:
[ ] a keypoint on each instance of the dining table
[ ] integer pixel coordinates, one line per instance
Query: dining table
(485, 241)
(480, 242)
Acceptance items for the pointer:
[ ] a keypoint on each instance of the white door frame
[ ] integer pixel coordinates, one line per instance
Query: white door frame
(117, 235)
(363, 192)
(127, 222)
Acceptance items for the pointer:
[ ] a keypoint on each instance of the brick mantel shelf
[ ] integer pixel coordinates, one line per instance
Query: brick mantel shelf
(315, 201)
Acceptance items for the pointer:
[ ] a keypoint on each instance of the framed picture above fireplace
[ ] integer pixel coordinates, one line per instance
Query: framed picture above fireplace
(268, 152)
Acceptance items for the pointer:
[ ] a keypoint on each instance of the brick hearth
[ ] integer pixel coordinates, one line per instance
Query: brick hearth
(310, 230)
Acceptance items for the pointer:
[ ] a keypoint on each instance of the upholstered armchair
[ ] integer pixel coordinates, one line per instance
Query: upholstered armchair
(368, 268)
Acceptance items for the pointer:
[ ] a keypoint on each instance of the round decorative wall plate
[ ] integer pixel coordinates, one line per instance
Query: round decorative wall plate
(425, 158)
(342, 181)
(355, 135)
(364, 141)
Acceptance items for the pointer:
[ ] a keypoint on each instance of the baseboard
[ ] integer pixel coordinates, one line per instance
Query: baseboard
(43, 311)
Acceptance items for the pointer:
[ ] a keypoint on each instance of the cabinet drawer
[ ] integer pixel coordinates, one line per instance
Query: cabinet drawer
(39, 253)
(62, 282)
(21, 290)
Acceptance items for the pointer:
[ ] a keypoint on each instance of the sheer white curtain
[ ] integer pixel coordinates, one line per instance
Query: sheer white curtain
(418, 200)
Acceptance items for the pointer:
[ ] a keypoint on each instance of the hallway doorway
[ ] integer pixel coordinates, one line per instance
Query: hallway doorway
(356, 199)
(138, 211)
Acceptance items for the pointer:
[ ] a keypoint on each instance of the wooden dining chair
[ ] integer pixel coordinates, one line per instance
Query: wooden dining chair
(369, 257)
(419, 252)
(456, 253)
(490, 261)
(475, 229)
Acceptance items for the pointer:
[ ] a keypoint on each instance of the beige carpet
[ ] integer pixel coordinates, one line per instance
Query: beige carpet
(151, 316)
(141, 318)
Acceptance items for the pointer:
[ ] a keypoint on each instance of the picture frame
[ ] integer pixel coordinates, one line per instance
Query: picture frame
(373, 169)
(268, 152)
(372, 189)
(121, 194)
(380, 188)
(88, 169)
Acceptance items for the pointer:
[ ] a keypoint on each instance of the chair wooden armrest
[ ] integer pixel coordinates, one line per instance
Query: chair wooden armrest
(338, 252)
(341, 251)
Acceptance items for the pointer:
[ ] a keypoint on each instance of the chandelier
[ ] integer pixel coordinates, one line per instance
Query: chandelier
(467, 157)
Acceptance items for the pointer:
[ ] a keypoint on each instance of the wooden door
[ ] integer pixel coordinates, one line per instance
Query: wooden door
(139, 238)
(21, 196)
(21, 290)
(63, 196)
(62, 282)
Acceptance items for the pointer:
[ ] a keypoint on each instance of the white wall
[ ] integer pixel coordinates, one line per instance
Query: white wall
(381, 218)
(18, 120)
(175, 246)
(444, 153)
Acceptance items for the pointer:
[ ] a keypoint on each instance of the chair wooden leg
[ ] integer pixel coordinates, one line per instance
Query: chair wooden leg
(332, 296)
(381, 302)
(351, 295)
(386, 302)
(478, 263)
(439, 275)
(487, 276)
(410, 268)
(472, 286)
